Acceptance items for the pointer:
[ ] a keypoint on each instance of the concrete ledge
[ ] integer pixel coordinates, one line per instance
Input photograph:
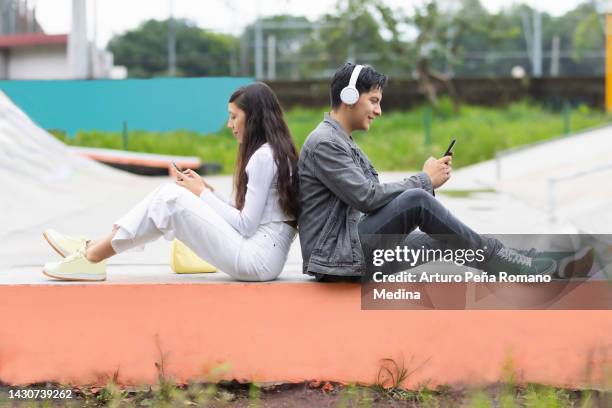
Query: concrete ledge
(288, 332)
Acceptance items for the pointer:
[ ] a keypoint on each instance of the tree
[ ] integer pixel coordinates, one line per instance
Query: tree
(290, 33)
(439, 34)
(588, 35)
(198, 52)
(353, 32)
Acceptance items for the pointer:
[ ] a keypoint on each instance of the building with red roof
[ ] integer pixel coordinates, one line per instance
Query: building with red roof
(26, 52)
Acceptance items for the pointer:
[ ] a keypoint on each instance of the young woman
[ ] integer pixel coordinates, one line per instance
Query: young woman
(247, 238)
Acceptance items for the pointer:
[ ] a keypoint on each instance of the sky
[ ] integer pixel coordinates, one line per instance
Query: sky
(226, 16)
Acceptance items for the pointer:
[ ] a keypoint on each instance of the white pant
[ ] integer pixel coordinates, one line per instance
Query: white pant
(172, 211)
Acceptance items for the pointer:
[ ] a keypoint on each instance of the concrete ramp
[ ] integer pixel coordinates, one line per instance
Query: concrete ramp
(41, 178)
(45, 184)
(567, 178)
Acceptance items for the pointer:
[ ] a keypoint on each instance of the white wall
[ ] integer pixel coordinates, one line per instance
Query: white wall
(39, 62)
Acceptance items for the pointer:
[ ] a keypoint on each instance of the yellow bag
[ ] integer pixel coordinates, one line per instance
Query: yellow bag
(184, 260)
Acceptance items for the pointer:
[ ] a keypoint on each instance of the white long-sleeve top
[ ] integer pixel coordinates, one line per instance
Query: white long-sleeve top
(261, 204)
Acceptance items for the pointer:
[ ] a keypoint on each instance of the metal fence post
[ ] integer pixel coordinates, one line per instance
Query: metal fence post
(125, 135)
(427, 125)
(567, 110)
(551, 199)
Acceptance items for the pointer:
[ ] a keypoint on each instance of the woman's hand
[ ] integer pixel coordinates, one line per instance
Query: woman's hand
(192, 182)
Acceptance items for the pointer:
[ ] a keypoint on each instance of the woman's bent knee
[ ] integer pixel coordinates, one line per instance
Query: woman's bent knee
(171, 190)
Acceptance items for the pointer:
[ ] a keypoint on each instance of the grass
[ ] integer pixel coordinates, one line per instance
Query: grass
(233, 394)
(388, 391)
(394, 142)
(465, 193)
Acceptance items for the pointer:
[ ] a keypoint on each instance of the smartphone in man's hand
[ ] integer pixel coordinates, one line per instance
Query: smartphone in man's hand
(449, 151)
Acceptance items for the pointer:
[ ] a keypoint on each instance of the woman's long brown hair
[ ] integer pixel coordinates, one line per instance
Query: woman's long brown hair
(265, 123)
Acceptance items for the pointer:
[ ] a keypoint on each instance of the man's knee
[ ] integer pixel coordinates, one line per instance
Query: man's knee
(414, 197)
(407, 202)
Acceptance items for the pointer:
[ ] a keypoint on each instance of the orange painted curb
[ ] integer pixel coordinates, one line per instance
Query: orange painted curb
(289, 332)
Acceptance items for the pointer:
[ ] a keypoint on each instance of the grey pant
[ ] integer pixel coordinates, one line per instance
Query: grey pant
(395, 223)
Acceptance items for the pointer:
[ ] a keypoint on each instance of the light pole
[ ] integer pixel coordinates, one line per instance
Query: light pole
(608, 28)
(171, 42)
(259, 58)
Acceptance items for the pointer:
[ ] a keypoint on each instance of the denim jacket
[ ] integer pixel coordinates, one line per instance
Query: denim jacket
(337, 185)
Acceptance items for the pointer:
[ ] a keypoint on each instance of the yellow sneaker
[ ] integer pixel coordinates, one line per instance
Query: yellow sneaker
(63, 244)
(76, 267)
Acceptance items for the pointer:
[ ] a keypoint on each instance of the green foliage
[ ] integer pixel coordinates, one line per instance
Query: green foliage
(480, 400)
(588, 35)
(110, 395)
(290, 33)
(428, 398)
(539, 396)
(395, 140)
(254, 395)
(354, 396)
(458, 38)
(351, 31)
(198, 52)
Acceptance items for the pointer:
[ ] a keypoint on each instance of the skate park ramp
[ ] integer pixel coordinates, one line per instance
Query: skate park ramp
(566, 178)
(43, 181)
(41, 178)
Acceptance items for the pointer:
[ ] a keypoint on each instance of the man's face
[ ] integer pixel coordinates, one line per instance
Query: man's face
(366, 109)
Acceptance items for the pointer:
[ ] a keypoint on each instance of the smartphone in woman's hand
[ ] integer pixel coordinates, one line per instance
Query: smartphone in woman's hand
(179, 172)
(176, 167)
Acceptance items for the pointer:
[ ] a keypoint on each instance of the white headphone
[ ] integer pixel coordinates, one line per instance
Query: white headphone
(350, 94)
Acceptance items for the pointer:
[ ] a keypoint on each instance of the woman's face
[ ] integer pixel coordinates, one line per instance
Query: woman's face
(236, 121)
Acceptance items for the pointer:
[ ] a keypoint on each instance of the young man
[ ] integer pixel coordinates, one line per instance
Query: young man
(342, 200)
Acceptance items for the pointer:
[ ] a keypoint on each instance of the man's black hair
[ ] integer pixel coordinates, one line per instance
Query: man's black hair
(368, 79)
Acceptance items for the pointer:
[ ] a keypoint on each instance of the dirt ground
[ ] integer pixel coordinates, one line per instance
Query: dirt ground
(311, 394)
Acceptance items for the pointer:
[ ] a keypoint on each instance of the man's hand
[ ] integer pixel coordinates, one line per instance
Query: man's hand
(191, 181)
(438, 170)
